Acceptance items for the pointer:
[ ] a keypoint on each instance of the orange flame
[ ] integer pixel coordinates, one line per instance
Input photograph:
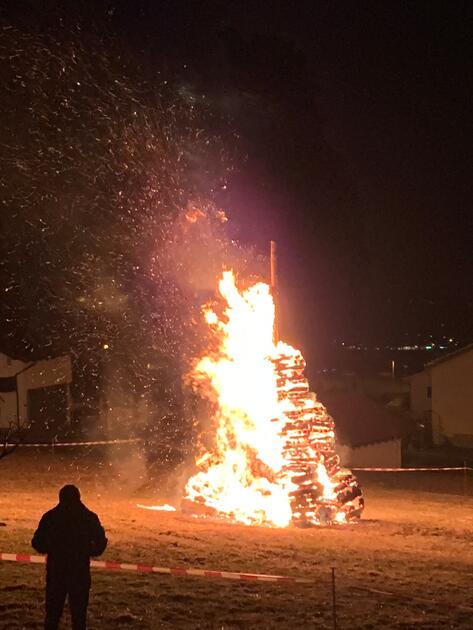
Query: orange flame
(247, 475)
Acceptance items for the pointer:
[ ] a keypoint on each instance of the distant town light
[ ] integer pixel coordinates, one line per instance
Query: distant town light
(106, 346)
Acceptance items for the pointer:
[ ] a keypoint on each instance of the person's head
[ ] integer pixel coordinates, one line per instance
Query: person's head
(69, 495)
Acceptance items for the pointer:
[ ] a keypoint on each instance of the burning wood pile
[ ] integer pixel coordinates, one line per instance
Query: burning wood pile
(273, 458)
(324, 493)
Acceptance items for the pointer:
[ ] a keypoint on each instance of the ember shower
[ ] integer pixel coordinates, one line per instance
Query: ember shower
(93, 198)
(274, 458)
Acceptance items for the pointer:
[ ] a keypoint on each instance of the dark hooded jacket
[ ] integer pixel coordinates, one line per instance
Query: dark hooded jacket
(70, 534)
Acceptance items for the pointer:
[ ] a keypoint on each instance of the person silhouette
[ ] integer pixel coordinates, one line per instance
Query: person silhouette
(70, 534)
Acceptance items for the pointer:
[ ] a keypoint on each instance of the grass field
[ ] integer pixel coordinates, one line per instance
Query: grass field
(408, 564)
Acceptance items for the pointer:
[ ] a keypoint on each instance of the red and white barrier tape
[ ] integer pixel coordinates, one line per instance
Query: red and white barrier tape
(50, 444)
(175, 571)
(134, 440)
(412, 469)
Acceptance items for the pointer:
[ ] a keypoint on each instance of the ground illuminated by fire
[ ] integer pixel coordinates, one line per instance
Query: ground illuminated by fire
(407, 564)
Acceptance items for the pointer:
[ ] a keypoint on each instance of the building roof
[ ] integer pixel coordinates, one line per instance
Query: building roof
(360, 421)
(450, 355)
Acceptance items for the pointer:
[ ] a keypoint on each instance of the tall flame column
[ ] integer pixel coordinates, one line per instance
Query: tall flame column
(273, 458)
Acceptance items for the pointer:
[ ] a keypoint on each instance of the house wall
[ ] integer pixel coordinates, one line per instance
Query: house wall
(452, 400)
(420, 402)
(45, 373)
(381, 455)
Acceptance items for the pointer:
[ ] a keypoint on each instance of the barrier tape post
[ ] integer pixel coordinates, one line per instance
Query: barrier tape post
(334, 601)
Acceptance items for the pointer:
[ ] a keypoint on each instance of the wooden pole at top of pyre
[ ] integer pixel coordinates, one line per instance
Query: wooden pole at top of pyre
(274, 288)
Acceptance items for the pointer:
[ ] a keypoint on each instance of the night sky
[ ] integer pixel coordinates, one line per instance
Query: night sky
(353, 147)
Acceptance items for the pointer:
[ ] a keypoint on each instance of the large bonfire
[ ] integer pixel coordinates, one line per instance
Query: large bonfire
(273, 459)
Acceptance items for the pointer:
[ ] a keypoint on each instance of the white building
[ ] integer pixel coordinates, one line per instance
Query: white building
(36, 393)
(442, 396)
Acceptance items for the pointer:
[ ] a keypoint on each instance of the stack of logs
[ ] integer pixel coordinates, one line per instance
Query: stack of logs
(326, 493)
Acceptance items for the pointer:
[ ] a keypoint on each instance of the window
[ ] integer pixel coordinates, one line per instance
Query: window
(7, 384)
